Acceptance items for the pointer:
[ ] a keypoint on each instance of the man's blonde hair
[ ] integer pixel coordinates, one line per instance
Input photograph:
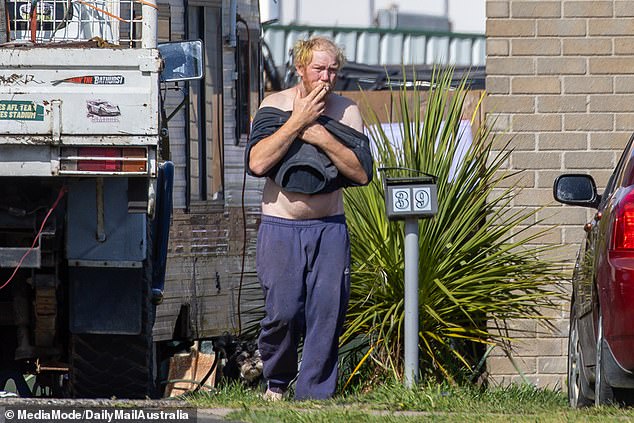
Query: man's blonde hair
(303, 50)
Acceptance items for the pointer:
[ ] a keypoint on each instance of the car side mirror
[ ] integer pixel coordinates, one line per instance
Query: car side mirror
(182, 61)
(576, 190)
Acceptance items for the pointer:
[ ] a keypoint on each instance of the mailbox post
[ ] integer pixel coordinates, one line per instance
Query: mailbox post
(411, 199)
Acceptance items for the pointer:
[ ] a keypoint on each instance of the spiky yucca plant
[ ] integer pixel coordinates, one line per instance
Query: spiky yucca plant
(476, 259)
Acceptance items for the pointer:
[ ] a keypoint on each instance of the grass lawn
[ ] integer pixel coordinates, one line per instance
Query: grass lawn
(394, 403)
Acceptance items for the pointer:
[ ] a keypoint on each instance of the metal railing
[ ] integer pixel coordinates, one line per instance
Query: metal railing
(114, 21)
(379, 46)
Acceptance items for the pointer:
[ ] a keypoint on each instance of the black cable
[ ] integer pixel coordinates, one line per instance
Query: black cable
(244, 182)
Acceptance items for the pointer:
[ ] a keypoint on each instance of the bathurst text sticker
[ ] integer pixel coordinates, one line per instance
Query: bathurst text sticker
(93, 80)
(21, 110)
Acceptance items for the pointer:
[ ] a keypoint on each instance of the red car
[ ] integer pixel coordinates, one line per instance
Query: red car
(601, 338)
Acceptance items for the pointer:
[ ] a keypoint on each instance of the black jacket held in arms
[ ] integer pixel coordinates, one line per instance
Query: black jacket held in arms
(305, 168)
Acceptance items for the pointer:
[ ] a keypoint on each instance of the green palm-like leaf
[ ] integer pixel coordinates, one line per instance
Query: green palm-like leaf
(477, 262)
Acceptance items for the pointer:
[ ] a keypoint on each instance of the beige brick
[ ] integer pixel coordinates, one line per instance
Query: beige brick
(497, 9)
(588, 122)
(552, 365)
(624, 84)
(623, 8)
(561, 28)
(525, 179)
(560, 215)
(561, 103)
(536, 9)
(611, 103)
(524, 348)
(515, 142)
(561, 66)
(587, 84)
(498, 122)
(536, 160)
(524, 214)
(534, 197)
(510, 66)
(551, 347)
(565, 252)
(497, 47)
(587, 47)
(564, 141)
(499, 379)
(502, 365)
(498, 84)
(611, 27)
(624, 122)
(541, 234)
(521, 328)
(515, 104)
(497, 192)
(624, 45)
(535, 47)
(587, 9)
(536, 85)
(609, 141)
(501, 162)
(532, 123)
(557, 329)
(573, 233)
(510, 28)
(588, 160)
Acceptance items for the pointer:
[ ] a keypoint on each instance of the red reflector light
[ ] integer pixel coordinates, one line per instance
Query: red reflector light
(624, 224)
(96, 165)
(134, 165)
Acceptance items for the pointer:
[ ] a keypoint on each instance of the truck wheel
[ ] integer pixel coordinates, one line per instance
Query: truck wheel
(105, 366)
(122, 366)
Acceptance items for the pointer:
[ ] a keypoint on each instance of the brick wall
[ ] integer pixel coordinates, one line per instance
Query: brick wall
(560, 82)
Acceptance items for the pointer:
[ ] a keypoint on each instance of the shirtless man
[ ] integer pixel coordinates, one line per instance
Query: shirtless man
(303, 251)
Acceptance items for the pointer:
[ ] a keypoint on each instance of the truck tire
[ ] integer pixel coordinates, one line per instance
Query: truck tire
(106, 366)
(121, 366)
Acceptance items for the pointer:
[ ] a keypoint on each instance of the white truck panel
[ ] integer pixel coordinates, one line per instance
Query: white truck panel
(72, 95)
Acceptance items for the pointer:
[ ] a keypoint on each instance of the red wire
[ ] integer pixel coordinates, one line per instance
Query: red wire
(62, 191)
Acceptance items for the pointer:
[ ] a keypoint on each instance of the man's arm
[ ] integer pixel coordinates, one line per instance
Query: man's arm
(270, 150)
(341, 156)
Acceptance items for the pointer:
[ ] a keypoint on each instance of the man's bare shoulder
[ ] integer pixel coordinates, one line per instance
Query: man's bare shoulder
(346, 111)
(282, 100)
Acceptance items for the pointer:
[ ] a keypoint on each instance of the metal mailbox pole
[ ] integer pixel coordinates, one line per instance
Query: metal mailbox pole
(411, 199)
(411, 302)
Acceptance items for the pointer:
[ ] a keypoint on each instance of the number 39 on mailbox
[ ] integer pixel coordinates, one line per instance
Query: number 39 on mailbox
(411, 197)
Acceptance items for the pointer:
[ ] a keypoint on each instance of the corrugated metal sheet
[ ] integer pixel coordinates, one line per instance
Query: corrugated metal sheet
(376, 46)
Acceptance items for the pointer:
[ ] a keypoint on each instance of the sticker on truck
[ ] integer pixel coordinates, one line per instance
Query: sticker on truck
(21, 110)
(102, 111)
(93, 80)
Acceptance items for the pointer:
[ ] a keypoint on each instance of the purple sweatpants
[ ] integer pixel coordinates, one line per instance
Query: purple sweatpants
(304, 269)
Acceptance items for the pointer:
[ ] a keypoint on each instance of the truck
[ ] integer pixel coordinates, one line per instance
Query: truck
(123, 236)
